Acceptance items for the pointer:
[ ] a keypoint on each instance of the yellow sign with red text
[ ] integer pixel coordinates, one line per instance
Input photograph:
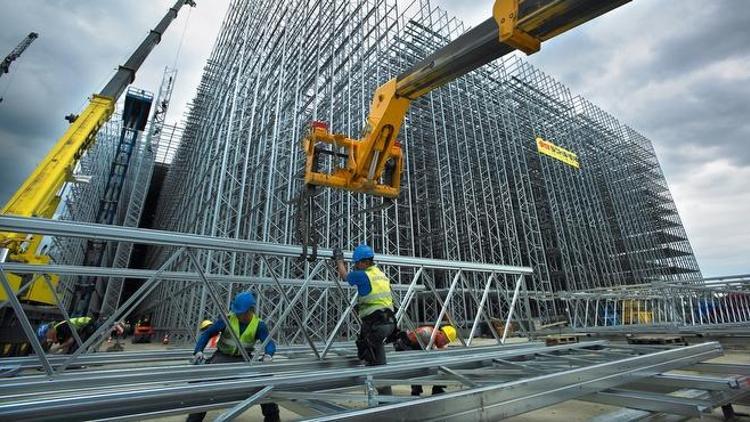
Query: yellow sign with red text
(558, 153)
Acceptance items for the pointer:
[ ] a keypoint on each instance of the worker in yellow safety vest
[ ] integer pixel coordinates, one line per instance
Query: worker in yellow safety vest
(249, 329)
(374, 304)
(57, 337)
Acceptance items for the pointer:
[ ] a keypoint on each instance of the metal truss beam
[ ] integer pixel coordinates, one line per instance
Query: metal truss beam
(165, 238)
(117, 394)
(517, 397)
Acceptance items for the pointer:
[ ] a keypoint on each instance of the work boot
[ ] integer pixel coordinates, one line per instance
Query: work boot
(270, 412)
(386, 391)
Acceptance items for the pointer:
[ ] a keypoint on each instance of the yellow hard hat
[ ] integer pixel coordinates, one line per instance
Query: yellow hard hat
(450, 332)
(205, 324)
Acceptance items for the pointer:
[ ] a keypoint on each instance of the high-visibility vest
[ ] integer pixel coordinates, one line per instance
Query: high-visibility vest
(77, 323)
(226, 343)
(380, 296)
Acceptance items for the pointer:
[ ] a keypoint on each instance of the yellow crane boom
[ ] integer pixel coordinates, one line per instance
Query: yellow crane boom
(374, 162)
(38, 196)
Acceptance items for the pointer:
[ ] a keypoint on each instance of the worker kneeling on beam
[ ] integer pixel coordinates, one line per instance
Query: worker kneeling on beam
(374, 307)
(249, 328)
(415, 339)
(57, 337)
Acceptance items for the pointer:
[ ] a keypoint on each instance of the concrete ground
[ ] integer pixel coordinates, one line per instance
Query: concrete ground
(569, 411)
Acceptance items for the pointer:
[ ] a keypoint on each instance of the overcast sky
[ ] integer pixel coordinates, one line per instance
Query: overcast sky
(677, 71)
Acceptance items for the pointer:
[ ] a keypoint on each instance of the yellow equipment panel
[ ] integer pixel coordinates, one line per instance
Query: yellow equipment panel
(39, 292)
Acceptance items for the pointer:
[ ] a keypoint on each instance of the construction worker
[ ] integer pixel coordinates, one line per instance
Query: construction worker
(57, 337)
(374, 304)
(410, 340)
(249, 328)
(203, 327)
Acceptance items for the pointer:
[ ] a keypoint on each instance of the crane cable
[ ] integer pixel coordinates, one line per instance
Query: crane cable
(111, 72)
(182, 38)
(10, 82)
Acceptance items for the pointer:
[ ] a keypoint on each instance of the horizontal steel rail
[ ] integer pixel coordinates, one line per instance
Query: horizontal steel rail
(513, 397)
(165, 238)
(516, 397)
(126, 358)
(37, 384)
(18, 268)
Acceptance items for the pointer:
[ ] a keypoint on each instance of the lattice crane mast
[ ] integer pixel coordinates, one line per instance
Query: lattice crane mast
(16, 53)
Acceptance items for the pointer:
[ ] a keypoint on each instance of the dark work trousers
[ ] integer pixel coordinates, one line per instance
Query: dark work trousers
(376, 327)
(403, 343)
(270, 410)
(63, 333)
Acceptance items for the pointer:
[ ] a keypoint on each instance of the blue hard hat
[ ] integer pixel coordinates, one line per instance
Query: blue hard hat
(41, 332)
(243, 302)
(362, 252)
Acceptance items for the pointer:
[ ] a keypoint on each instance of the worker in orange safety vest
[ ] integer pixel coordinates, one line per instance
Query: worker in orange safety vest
(410, 340)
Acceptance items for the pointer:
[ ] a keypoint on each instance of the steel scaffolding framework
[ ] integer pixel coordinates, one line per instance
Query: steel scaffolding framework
(87, 189)
(491, 381)
(316, 309)
(489, 235)
(476, 188)
(710, 308)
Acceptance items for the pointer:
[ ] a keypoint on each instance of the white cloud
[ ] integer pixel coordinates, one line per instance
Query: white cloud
(714, 199)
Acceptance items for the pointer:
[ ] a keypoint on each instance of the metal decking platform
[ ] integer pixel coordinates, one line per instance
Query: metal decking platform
(484, 383)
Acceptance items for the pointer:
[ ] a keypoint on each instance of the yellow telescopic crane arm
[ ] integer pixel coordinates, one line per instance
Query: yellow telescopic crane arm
(38, 196)
(375, 161)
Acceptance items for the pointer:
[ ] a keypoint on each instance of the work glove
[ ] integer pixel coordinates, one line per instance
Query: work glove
(338, 255)
(198, 359)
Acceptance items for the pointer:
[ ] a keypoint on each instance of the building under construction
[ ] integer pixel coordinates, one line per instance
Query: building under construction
(477, 188)
(522, 206)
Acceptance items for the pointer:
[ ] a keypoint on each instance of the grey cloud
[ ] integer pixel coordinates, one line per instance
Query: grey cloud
(643, 63)
(711, 31)
(81, 43)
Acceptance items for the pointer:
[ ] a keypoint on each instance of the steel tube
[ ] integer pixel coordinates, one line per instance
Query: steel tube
(165, 238)
(516, 397)
(95, 405)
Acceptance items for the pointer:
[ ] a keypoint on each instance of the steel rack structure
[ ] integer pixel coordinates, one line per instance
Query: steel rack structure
(87, 189)
(79, 200)
(132, 205)
(714, 306)
(484, 383)
(476, 187)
